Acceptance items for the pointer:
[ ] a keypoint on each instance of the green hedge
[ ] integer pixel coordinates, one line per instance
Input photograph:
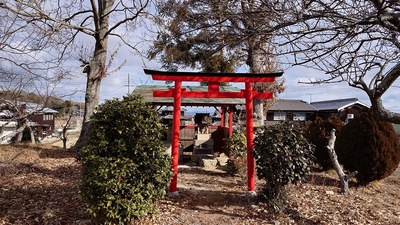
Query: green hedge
(283, 156)
(125, 170)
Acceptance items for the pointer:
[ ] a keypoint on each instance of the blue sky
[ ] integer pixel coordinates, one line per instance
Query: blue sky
(116, 84)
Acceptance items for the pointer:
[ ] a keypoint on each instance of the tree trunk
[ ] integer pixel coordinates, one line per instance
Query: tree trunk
(91, 102)
(64, 134)
(256, 61)
(344, 179)
(259, 110)
(64, 143)
(97, 67)
(22, 124)
(379, 110)
(33, 141)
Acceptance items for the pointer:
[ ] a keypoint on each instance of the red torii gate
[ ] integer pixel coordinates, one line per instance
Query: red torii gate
(213, 80)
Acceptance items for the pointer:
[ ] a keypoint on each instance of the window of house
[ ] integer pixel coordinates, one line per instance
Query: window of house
(279, 115)
(47, 117)
(299, 116)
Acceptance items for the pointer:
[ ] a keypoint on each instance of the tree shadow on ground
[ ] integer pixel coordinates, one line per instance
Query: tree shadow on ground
(298, 218)
(219, 192)
(52, 204)
(201, 170)
(56, 153)
(209, 201)
(44, 150)
(322, 180)
(36, 195)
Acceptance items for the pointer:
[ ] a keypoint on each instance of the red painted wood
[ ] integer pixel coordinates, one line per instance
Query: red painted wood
(230, 121)
(173, 188)
(213, 87)
(203, 94)
(212, 78)
(222, 113)
(250, 137)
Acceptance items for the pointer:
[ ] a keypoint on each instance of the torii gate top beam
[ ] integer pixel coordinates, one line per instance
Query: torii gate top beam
(212, 77)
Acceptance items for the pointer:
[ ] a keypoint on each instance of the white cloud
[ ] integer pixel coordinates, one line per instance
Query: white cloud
(116, 84)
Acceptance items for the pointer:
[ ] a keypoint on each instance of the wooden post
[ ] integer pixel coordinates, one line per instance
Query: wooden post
(230, 121)
(222, 113)
(173, 188)
(250, 137)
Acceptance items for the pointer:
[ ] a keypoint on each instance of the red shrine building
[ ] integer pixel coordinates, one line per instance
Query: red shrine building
(175, 96)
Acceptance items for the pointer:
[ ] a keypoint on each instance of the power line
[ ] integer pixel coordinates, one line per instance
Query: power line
(129, 84)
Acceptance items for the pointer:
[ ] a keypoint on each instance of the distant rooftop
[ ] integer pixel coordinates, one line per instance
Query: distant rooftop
(289, 105)
(171, 109)
(337, 104)
(292, 105)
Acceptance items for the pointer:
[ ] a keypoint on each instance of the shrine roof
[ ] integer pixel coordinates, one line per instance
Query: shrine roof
(147, 92)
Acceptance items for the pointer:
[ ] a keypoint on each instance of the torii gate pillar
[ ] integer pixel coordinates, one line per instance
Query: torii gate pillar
(250, 137)
(173, 188)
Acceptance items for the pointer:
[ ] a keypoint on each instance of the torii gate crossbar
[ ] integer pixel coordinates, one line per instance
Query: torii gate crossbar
(213, 80)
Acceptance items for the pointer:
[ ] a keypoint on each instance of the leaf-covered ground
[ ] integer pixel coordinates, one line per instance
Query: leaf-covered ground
(39, 185)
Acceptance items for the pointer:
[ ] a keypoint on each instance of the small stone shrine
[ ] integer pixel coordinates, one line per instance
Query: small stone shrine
(203, 144)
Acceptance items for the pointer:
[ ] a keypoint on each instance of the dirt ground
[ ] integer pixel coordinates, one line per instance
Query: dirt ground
(39, 185)
(56, 142)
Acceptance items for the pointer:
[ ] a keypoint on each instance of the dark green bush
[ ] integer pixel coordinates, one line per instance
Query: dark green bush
(283, 156)
(237, 148)
(317, 132)
(368, 146)
(125, 170)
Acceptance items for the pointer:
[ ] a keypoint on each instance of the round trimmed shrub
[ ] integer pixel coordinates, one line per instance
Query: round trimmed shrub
(125, 171)
(283, 155)
(368, 146)
(317, 132)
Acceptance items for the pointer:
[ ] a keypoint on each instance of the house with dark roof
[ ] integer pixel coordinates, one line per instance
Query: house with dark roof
(287, 109)
(44, 120)
(41, 119)
(292, 110)
(343, 108)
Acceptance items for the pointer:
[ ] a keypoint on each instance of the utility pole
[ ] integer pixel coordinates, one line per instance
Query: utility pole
(310, 97)
(129, 84)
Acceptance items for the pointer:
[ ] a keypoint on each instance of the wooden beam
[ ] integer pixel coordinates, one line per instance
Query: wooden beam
(213, 77)
(212, 94)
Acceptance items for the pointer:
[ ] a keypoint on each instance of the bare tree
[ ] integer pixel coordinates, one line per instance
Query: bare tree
(355, 41)
(20, 89)
(54, 28)
(64, 132)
